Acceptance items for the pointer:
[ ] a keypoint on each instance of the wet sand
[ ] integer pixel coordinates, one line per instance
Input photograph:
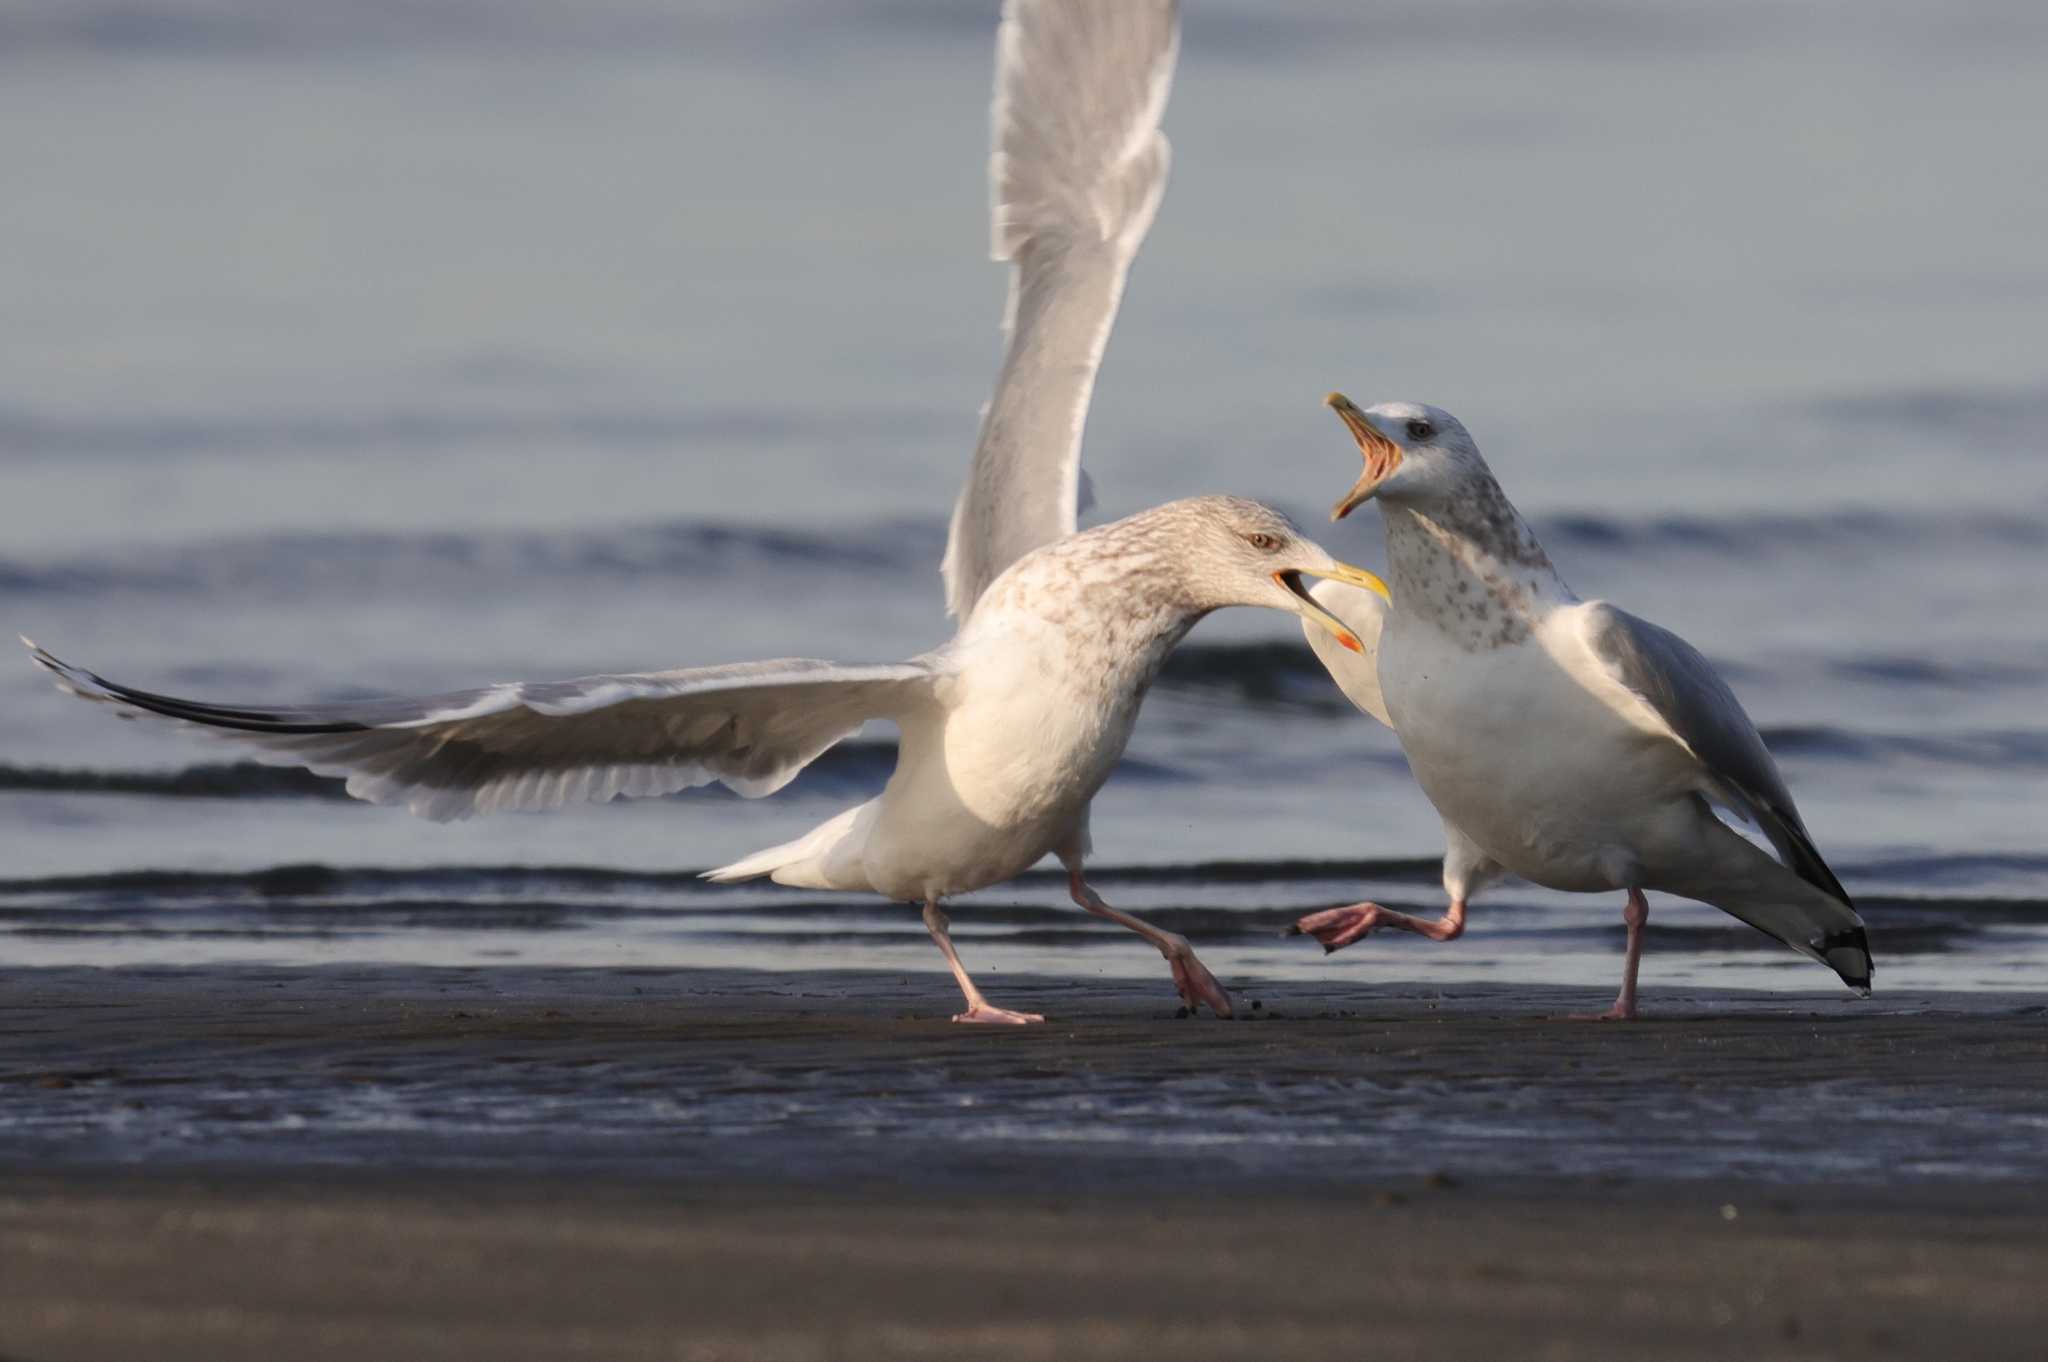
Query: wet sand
(222, 1267)
(541, 1163)
(814, 1077)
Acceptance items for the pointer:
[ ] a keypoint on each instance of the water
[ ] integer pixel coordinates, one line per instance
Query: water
(406, 350)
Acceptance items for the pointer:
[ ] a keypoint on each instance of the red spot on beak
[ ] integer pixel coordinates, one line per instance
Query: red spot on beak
(1351, 642)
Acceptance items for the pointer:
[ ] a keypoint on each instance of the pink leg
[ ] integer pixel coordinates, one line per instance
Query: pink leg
(1634, 914)
(1337, 928)
(1191, 978)
(979, 1009)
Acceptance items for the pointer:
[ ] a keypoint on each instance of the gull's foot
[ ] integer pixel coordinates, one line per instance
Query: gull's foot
(1614, 1013)
(1192, 980)
(984, 1014)
(1337, 928)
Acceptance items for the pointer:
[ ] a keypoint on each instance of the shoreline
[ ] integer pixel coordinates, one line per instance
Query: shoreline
(377, 1264)
(815, 1078)
(533, 1162)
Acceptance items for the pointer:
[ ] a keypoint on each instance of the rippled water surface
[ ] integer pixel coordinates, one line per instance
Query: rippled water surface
(406, 350)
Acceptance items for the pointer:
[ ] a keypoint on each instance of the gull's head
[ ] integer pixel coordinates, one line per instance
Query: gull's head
(1412, 452)
(1239, 552)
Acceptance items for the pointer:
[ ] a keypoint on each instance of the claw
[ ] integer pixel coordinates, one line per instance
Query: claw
(986, 1015)
(1196, 985)
(1337, 928)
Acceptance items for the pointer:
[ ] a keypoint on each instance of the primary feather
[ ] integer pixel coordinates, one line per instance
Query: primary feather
(540, 745)
(1075, 176)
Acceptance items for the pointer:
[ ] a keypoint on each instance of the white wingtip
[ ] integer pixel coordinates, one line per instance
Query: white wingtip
(69, 679)
(1076, 147)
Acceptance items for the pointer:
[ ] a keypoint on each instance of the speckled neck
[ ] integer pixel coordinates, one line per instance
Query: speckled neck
(1117, 595)
(1471, 566)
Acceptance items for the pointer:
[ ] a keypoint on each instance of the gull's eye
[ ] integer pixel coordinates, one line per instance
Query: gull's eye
(1263, 542)
(1420, 430)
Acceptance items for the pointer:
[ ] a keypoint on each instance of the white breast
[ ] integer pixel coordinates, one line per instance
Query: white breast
(1031, 731)
(1521, 749)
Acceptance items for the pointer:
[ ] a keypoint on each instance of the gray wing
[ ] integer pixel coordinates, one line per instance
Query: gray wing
(1076, 174)
(1669, 675)
(1356, 674)
(752, 726)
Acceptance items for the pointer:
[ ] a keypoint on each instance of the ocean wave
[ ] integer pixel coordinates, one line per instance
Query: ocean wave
(318, 565)
(2004, 750)
(1960, 416)
(575, 883)
(217, 780)
(312, 566)
(26, 433)
(313, 880)
(1747, 534)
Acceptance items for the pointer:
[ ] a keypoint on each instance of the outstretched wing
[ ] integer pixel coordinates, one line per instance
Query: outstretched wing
(1078, 167)
(752, 726)
(1702, 714)
(1356, 674)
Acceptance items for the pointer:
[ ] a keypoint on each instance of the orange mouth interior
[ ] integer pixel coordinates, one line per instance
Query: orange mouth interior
(1382, 456)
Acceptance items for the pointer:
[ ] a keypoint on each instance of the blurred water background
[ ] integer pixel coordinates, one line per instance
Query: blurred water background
(401, 348)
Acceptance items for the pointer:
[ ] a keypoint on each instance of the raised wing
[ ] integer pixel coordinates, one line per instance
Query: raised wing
(1683, 690)
(1356, 674)
(752, 726)
(1076, 174)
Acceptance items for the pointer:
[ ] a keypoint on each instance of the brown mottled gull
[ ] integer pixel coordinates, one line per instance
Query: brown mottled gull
(1010, 728)
(1562, 740)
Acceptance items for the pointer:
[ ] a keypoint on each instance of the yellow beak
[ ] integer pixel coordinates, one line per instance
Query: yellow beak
(1336, 572)
(1382, 456)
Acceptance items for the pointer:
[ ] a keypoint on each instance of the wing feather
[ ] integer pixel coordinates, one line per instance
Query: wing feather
(1075, 176)
(1685, 692)
(526, 746)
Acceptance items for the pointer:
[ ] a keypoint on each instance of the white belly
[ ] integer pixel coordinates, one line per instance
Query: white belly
(1537, 769)
(1003, 778)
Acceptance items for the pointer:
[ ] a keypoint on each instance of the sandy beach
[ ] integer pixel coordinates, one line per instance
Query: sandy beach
(393, 1266)
(723, 1164)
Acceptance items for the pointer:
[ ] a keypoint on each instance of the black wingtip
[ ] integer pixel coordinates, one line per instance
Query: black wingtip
(1847, 952)
(1805, 859)
(92, 686)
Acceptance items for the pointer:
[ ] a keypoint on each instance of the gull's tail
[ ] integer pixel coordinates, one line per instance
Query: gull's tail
(1742, 880)
(826, 857)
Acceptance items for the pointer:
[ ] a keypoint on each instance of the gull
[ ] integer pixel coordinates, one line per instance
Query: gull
(1007, 731)
(1562, 740)
(1009, 728)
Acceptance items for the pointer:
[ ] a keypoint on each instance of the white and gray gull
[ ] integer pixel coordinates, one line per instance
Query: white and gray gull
(1564, 741)
(1007, 730)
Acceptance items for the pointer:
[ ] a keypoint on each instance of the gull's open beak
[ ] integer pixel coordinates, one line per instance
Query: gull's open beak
(1290, 582)
(1382, 456)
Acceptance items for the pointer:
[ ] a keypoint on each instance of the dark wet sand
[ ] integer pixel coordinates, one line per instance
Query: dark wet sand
(731, 1165)
(394, 1266)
